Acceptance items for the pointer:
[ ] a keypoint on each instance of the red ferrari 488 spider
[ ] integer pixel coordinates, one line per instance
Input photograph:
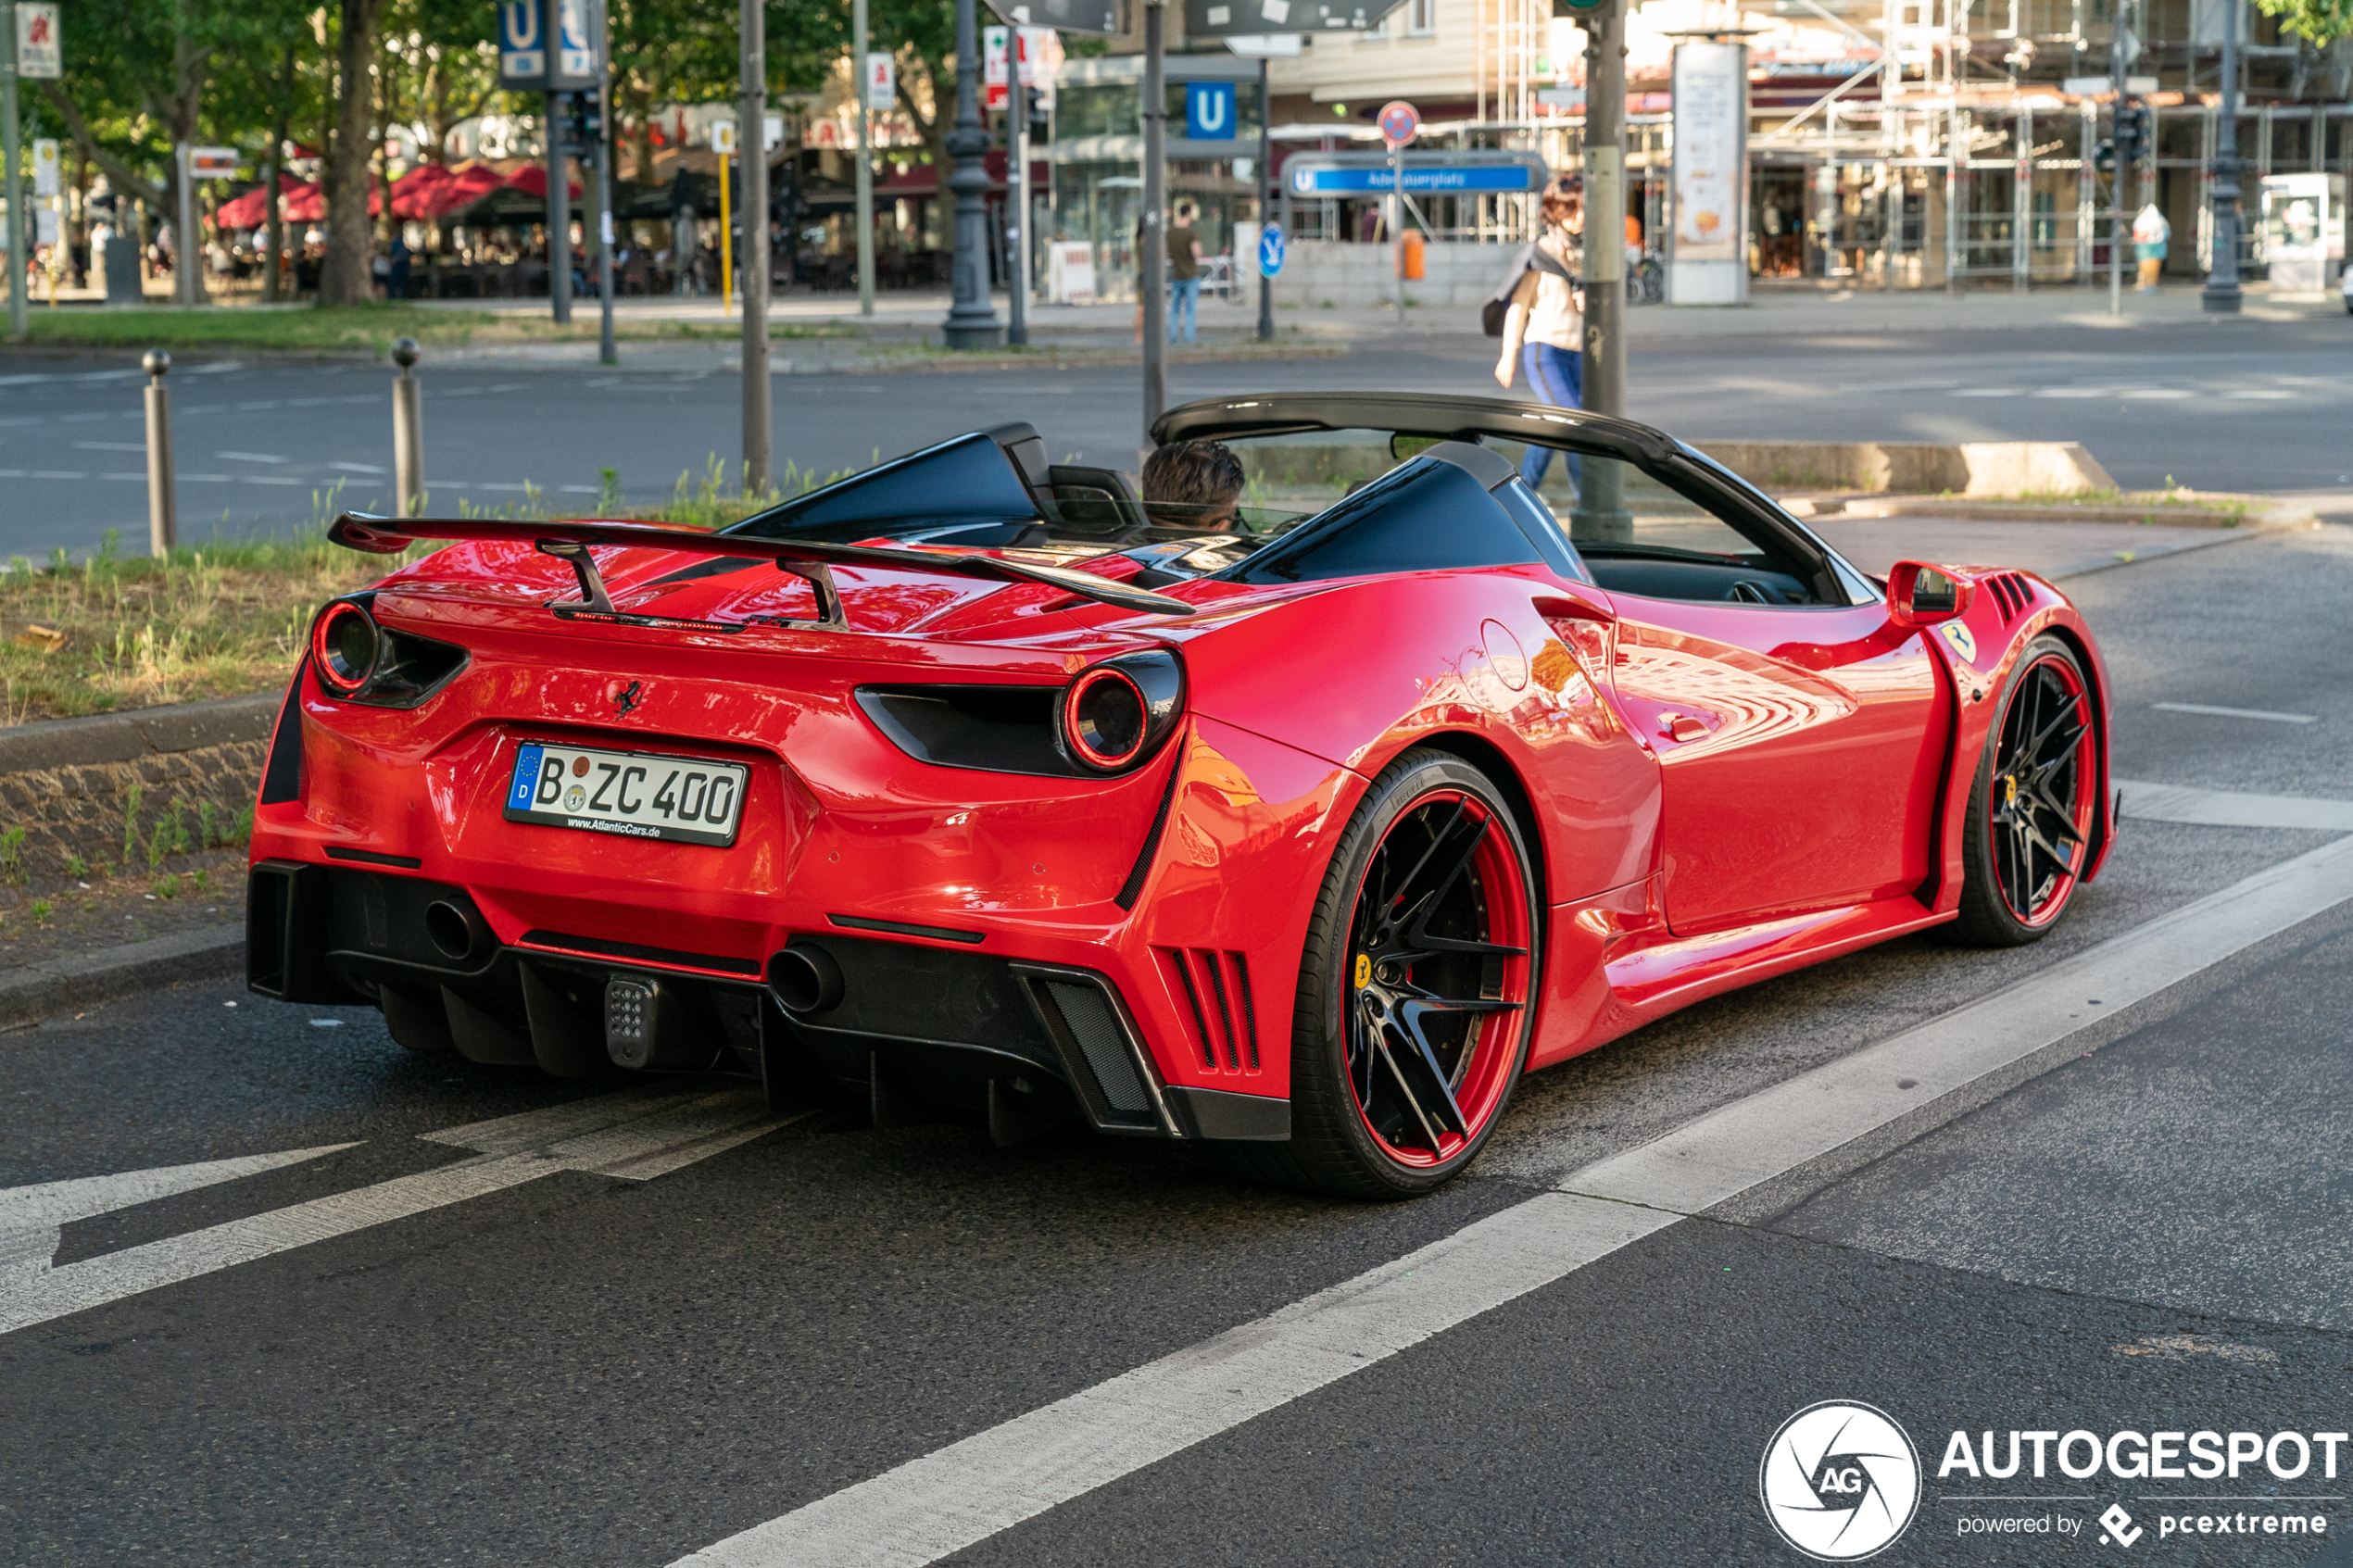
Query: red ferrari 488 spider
(1466, 736)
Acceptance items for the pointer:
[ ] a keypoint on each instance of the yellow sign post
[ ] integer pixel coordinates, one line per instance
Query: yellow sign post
(723, 142)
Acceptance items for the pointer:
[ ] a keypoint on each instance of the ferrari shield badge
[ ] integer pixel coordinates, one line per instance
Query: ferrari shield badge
(1964, 642)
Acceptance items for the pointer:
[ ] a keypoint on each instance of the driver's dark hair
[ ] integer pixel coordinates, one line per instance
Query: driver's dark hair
(1199, 473)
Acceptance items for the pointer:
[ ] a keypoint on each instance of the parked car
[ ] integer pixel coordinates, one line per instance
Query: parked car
(977, 784)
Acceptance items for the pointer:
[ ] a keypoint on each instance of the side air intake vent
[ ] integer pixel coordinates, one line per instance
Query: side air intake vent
(2010, 591)
(1101, 1055)
(1215, 989)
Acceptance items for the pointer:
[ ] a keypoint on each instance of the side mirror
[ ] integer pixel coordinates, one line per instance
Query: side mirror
(1918, 593)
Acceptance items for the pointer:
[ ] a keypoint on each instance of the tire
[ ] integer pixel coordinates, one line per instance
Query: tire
(1432, 844)
(2030, 809)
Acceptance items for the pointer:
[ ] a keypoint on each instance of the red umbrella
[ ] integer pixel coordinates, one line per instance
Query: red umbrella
(413, 193)
(532, 179)
(251, 210)
(464, 187)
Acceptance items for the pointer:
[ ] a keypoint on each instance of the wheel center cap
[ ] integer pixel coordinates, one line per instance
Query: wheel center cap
(2009, 787)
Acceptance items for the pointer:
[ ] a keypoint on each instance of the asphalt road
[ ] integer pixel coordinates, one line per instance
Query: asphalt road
(2139, 1226)
(2241, 405)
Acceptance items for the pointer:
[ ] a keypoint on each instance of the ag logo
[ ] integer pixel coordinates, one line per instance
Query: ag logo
(1840, 1481)
(1964, 641)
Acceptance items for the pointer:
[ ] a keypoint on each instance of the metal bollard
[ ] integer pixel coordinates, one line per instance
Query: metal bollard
(163, 513)
(407, 431)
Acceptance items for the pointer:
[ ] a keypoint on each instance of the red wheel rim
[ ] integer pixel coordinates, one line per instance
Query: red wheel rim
(1436, 978)
(2042, 794)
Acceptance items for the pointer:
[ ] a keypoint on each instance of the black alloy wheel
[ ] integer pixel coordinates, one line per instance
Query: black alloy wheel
(2028, 830)
(1416, 989)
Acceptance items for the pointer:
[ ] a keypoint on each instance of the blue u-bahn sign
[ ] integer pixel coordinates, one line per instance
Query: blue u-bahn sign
(1436, 172)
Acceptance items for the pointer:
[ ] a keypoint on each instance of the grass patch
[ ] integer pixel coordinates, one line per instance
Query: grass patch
(362, 328)
(230, 618)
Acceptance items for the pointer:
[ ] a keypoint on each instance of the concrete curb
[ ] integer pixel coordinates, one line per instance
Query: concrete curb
(2219, 536)
(37, 991)
(127, 736)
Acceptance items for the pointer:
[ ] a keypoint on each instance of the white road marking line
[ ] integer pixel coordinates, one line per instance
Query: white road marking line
(635, 1136)
(2218, 809)
(251, 457)
(110, 446)
(1707, 1161)
(2166, 391)
(2235, 712)
(359, 468)
(31, 1216)
(955, 1497)
(56, 473)
(968, 1491)
(2261, 395)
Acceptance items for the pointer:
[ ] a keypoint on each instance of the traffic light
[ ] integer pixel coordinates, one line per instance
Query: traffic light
(2103, 157)
(1035, 100)
(2131, 140)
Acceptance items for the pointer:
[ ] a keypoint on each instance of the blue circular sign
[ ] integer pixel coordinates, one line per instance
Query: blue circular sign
(1270, 250)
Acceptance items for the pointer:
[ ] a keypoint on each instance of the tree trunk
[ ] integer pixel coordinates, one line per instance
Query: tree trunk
(273, 274)
(345, 277)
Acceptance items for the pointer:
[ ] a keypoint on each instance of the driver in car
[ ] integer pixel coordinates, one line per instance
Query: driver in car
(1193, 484)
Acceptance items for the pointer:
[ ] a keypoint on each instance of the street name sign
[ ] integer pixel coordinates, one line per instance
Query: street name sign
(1230, 18)
(1441, 173)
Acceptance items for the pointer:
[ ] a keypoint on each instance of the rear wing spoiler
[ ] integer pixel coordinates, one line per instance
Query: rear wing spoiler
(809, 559)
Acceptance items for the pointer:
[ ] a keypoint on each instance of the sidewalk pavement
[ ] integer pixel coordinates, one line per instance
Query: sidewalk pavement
(824, 331)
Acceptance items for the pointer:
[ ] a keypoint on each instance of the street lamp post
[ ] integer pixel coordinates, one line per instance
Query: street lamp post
(2117, 230)
(11, 170)
(1265, 207)
(1601, 509)
(865, 161)
(1152, 265)
(2221, 296)
(559, 215)
(972, 320)
(752, 151)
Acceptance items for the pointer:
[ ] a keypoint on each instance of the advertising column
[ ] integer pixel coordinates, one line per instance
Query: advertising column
(1709, 263)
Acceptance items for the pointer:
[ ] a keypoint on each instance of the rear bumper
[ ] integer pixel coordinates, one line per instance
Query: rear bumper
(991, 1033)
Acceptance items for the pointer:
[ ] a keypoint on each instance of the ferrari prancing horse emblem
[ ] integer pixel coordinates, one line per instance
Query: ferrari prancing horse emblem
(1963, 640)
(624, 701)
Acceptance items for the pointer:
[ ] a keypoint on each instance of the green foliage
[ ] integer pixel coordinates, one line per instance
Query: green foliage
(170, 887)
(76, 867)
(131, 822)
(12, 866)
(41, 909)
(2318, 20)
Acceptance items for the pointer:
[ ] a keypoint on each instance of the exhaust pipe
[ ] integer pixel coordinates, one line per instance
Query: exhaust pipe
(804, 979)
(456, 930)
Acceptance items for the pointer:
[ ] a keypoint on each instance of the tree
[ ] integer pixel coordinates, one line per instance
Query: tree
(140, 76)
(346, 275)
(2317, 21)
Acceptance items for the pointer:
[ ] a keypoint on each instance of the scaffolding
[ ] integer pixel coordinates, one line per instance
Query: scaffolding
(1960, 160)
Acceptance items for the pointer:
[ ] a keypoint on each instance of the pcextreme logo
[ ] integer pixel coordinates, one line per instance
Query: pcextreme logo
(1840, 1481)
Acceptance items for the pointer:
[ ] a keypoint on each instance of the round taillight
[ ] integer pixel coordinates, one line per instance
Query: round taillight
(1105, 719)
(344, 644)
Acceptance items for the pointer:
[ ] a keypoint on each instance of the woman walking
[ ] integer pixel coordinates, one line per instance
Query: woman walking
(1544, 331)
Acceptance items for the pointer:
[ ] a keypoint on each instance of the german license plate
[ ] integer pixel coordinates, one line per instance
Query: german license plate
(635, 794)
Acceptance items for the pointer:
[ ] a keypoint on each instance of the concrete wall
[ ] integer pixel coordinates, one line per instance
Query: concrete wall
(66, 781)
(1455, 276)
(1915, 467)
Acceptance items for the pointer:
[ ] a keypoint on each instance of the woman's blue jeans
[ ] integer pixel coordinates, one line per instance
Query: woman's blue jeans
(1557, 376)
